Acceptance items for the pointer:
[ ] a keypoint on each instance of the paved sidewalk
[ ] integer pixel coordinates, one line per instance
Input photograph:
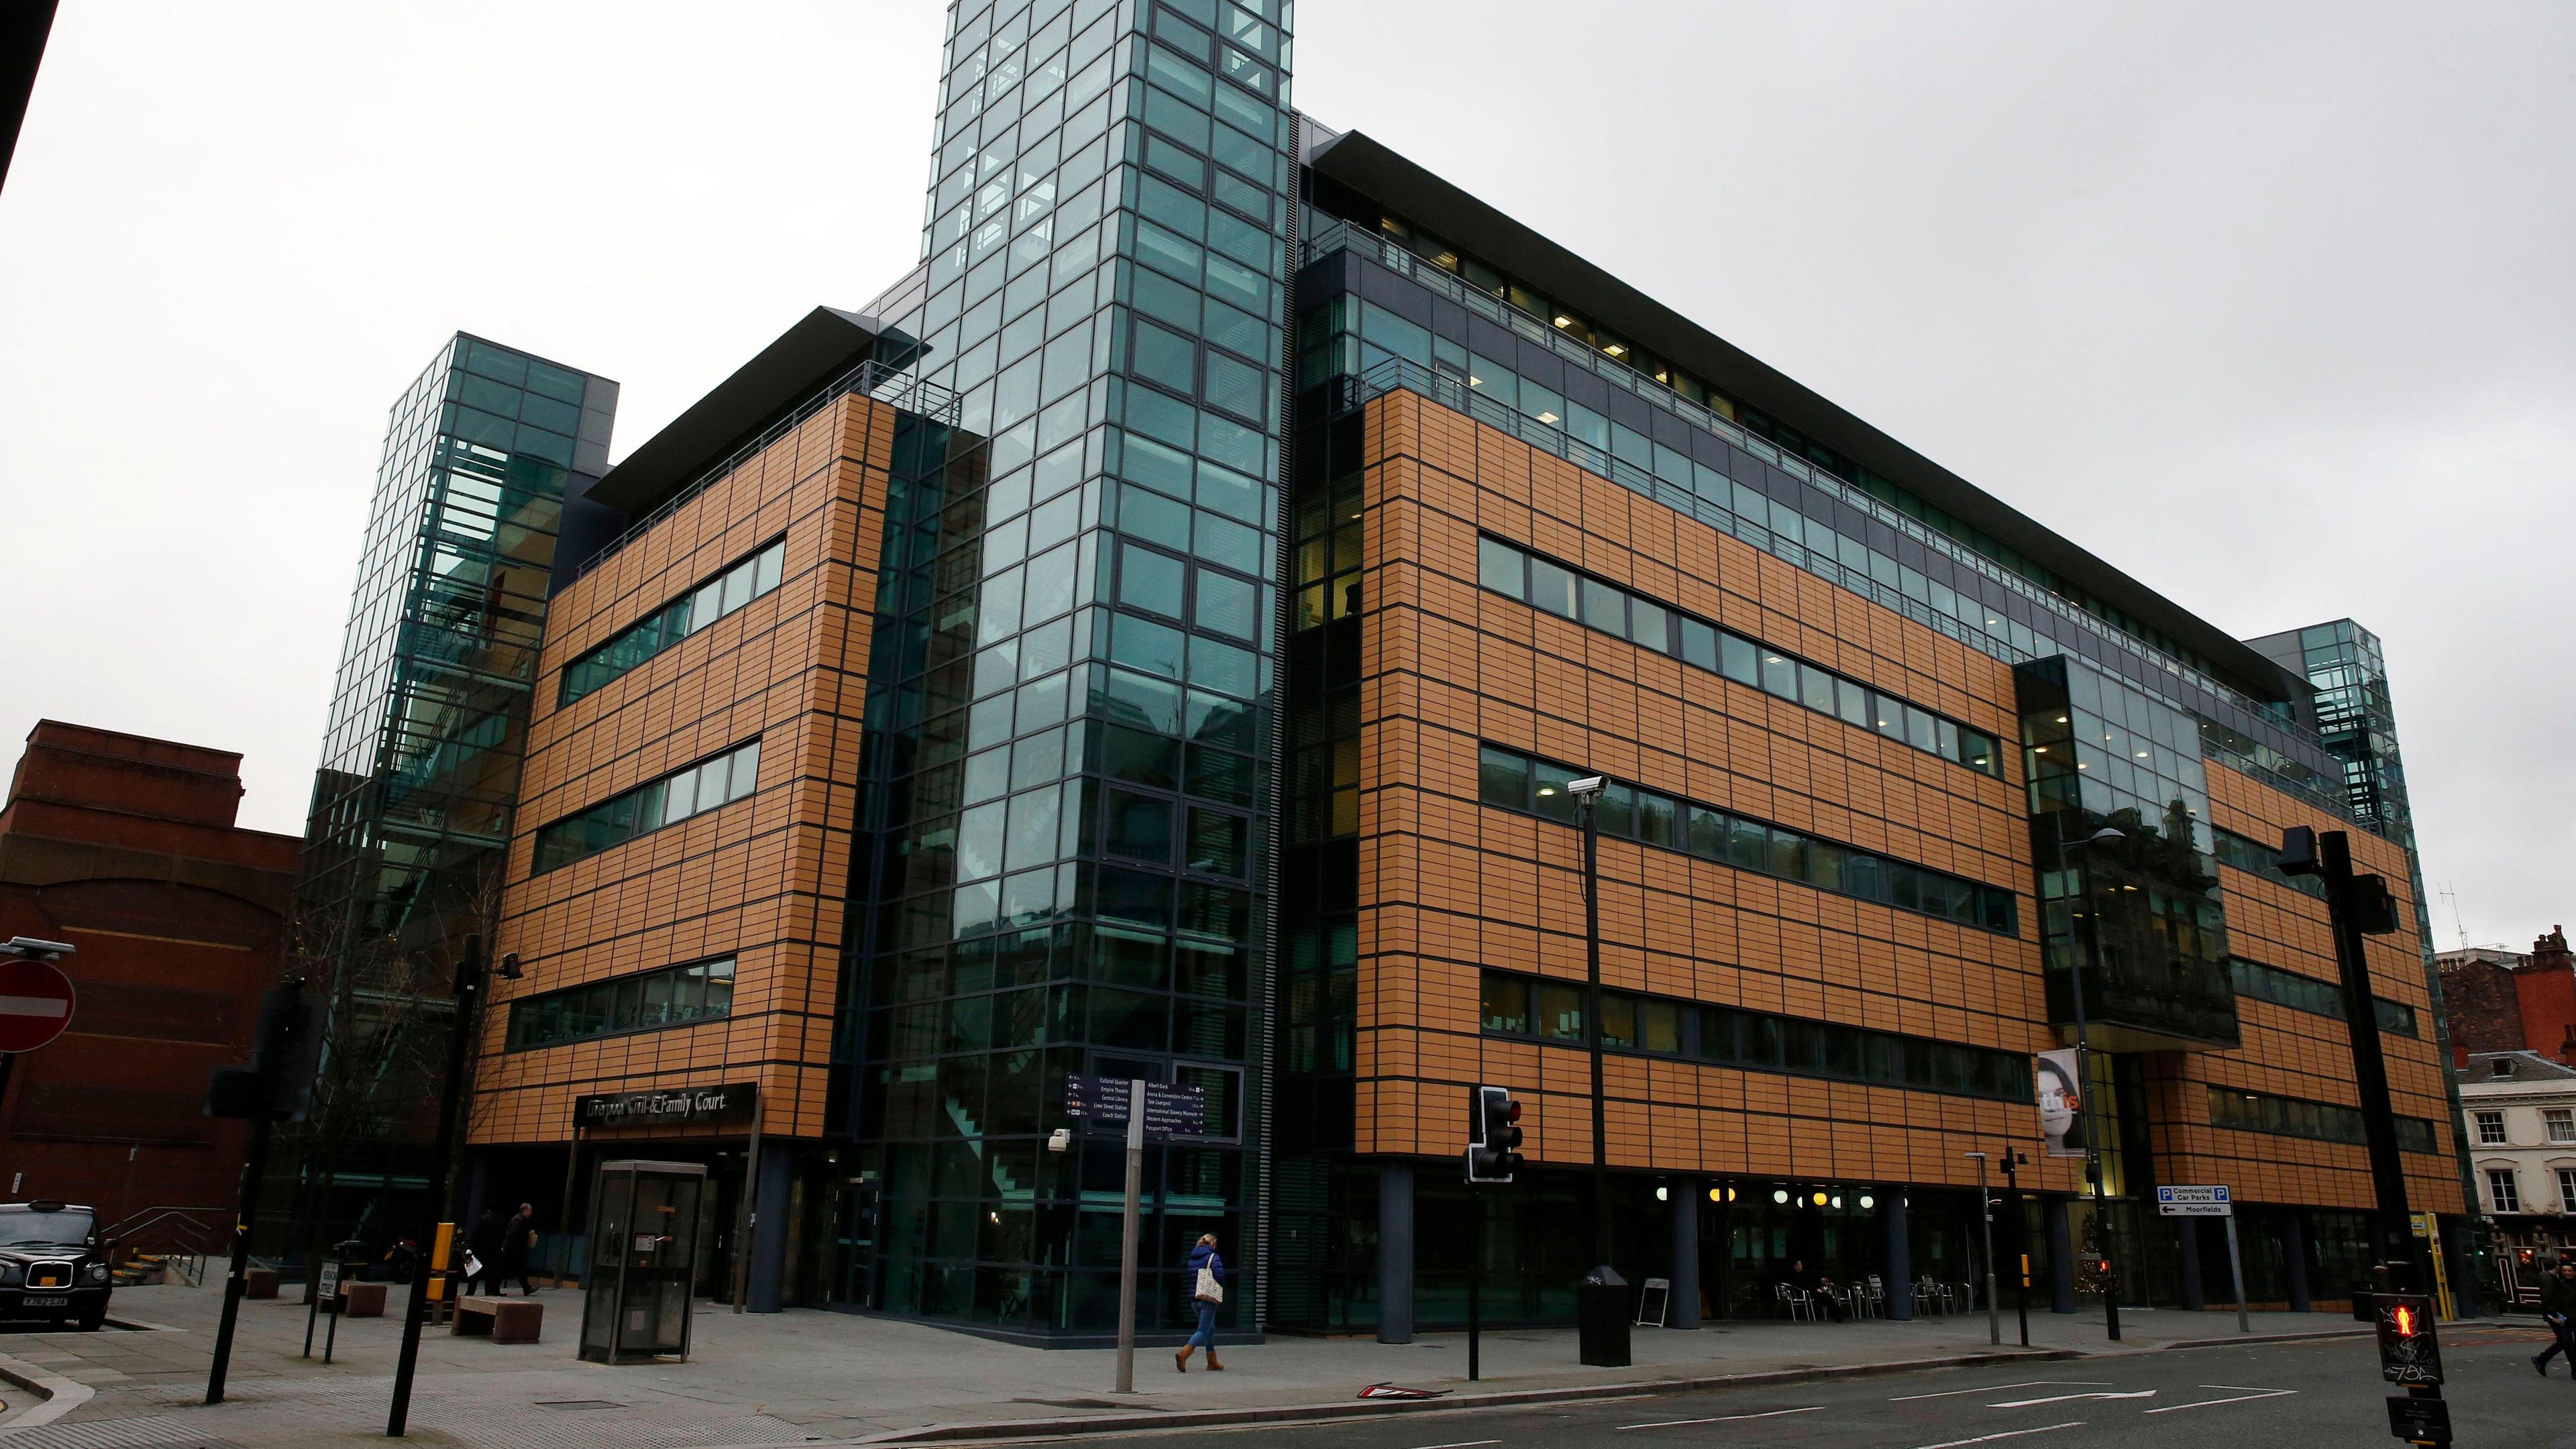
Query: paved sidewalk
(801, 1377)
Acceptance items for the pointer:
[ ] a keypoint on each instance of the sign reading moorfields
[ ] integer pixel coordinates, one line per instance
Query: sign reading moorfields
(682, 1108)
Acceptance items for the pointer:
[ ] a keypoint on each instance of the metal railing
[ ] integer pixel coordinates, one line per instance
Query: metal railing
(895, 387)
(181, 1238)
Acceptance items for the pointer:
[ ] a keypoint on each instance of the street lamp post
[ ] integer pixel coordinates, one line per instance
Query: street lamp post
(2084, 1067)
(1986, 1222)
(1586, 793)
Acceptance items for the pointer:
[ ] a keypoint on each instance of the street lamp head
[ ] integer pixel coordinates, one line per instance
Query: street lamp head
(2104, 836)
(1587, 787)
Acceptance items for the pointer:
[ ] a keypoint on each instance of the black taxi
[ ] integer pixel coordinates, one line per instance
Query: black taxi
(52, 1264)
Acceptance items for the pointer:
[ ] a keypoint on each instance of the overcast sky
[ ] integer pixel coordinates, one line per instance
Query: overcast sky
(2269, 305)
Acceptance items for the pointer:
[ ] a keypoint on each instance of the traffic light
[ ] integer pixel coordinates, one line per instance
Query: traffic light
(278, 1083)
(1493, 1135)
(2408, 1352)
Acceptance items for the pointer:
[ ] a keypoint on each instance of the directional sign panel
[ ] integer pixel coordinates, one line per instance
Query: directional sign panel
(35, 1003)
(2209, 1201)
(1170, 1111)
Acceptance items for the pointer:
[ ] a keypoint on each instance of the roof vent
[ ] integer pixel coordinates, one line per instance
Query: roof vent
(2501, 1067)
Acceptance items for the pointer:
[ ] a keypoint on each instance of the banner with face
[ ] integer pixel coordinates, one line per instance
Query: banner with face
(2061, 1103)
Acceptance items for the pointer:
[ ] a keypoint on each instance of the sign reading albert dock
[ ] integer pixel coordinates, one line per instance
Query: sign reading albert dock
(681, 1107)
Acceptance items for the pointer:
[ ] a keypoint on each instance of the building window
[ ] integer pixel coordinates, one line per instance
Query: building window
(1543, 583)
(2490, 1129)
(675, 621)
(1515, 781)
(1531, 1006)
(2561, 1122)
(2567, 1189)
(2295, 1117)
(647, 808)
(648, 1001)
(2500, 1188)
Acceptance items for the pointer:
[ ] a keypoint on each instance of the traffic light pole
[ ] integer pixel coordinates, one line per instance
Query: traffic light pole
(245, 1212)
(469, 987)
(1475, 1281)
(2328, 856)
(2012, 1204)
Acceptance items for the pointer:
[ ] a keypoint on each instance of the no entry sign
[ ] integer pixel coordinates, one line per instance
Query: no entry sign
(35, 1003)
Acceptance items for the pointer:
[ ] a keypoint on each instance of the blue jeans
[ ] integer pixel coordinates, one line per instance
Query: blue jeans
(1205, 1337)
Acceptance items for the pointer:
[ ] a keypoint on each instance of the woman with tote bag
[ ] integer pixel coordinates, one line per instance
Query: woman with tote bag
(1207, 1277)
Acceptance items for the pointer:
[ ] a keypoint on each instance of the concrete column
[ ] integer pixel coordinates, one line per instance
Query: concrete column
(2061, 1253)
(2192, 1297)
(769, 1232)
(2294, 1251)
(1685, 1309)
(1900, 1254)
(1395, 1253)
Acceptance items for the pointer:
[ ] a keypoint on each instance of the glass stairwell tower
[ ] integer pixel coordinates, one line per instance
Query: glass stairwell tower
(410, 818)
(1069, 721)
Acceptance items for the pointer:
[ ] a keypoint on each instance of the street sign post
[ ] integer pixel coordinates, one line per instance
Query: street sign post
(36, 1001)
(2211, 1201)
(1140, 1109)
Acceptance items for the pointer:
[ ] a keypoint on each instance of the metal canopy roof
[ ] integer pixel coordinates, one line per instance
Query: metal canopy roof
(1367, 166)
(822, 346)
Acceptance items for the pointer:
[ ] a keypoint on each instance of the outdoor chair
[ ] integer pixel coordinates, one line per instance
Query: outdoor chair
(1797, 1303)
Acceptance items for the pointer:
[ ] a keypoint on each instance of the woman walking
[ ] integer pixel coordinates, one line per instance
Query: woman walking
(1207, 1276)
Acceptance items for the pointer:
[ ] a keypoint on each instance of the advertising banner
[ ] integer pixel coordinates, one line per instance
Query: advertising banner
(2061, 1104)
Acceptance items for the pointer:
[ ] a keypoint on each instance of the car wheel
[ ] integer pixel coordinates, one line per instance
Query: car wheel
(93, 1321)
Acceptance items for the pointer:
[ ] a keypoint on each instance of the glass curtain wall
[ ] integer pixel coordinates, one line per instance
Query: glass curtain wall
(410, 818)
(1071, 725)
(2139, 913)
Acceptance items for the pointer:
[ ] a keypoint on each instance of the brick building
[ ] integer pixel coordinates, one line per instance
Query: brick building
(2510, 1001)
(126, 848)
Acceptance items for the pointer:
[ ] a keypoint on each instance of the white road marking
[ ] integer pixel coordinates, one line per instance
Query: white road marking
(1999, 1388)
(1463, 1444)
(1721, 1419)
(2007, 1434)
(2245, 1396)
(2062, 1398)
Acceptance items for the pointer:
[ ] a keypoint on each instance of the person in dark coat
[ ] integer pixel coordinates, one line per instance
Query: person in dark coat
(515, 1241)
(1202, 1257)
(484, 1242)
(2558, 1310)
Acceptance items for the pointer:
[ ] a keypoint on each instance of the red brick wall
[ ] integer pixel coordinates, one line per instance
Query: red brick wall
(125, 848)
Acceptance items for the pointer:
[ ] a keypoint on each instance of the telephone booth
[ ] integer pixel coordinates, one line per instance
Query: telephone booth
(643, 1246)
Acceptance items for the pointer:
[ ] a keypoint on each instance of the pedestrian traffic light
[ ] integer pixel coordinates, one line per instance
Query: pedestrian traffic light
(2408, 1352)
(1493, 1135)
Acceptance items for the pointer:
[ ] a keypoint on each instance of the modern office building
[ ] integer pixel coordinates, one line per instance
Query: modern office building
(412, 805)
(1155, 639)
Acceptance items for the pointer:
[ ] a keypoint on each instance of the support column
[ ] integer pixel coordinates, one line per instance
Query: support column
(2061, 1253)
(1395, 1253)
(769, 1229)
(1685, 1296)
(2193, 1299)
(2294, 1251)
(1900, 1254)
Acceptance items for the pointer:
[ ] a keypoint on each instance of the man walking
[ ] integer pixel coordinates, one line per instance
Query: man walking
(515, 1241)
(2558, 1310)
(484, 1243)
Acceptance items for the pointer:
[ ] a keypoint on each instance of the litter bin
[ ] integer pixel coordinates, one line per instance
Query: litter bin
(1603, 1314)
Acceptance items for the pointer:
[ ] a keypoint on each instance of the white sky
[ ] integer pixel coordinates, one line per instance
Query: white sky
(2269, 304)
